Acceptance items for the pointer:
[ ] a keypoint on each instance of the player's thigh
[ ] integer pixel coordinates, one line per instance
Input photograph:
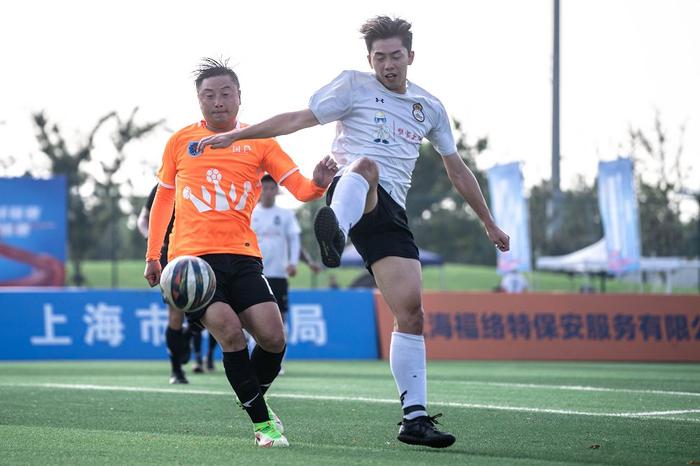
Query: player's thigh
(225, 325)
(264, 322)
(399, 280)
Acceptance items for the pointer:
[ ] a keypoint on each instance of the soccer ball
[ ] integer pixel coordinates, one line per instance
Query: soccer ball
(187, 283)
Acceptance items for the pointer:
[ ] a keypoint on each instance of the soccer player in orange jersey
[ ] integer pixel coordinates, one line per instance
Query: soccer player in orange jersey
(214, 192)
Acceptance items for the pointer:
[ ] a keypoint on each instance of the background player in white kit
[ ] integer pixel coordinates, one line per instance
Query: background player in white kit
(381, 120)
(279, 238)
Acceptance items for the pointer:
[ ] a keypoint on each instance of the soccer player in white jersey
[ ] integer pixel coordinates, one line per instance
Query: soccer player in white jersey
(381, 120)
(279, 238)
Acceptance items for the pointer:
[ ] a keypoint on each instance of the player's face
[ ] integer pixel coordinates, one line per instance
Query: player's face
(269, 191)
(219, 100)
(390, 59)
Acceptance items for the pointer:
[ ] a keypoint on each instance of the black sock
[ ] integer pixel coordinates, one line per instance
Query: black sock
(244, 382)
(173, 340)
(197, 344)
(266, 366)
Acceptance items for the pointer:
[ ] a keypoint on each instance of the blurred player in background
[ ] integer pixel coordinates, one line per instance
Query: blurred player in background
(279, 237)
(381, 121)
(199, 362)
(177, 339)
(214, 192)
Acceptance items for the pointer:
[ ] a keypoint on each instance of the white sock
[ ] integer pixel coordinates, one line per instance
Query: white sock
(407, 360)
(349, 200)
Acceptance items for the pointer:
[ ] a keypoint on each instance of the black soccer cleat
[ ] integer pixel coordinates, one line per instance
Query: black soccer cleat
(178, 378)
(422, 431)
(331, 239)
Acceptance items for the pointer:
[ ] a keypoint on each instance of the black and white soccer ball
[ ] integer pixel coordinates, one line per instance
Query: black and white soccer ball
(187, 283)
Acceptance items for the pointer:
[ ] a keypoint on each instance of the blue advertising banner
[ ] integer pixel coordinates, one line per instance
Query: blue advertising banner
(103, 324)
(618, 209)
(509, 209)
(32, 231)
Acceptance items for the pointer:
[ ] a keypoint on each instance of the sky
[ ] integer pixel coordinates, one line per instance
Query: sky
(489, 62)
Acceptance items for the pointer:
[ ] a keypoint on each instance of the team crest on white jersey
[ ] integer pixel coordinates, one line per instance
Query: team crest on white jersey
(418, 112)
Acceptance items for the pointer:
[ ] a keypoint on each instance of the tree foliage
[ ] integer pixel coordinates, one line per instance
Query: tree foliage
(95, 221)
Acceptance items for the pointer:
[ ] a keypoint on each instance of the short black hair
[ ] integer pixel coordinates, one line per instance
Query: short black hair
(267, 178)
(384, 27)
(210, 67)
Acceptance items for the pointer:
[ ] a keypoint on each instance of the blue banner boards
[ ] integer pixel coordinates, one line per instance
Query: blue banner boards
(32, 231)
(103, 324)
(618, 209)
(509, 209)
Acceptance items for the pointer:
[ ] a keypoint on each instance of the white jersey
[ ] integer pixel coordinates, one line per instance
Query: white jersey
(384, 126)
(278, 233)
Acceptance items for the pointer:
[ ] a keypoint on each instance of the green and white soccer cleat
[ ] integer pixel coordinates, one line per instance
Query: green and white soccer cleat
(267, 435)
(275, 419)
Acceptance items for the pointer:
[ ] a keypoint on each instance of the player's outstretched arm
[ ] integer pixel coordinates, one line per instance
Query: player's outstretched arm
(284, 123)
(464, 181)
(306, 189)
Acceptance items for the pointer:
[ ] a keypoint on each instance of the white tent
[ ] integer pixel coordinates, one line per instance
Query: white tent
(593, 259)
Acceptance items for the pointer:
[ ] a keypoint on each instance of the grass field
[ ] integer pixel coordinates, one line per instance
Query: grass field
(453, 277)
(346, 413)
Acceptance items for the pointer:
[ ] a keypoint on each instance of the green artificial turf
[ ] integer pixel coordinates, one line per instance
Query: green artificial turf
(346, 413)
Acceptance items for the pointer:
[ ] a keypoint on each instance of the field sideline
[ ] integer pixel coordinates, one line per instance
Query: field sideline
(452, 277)
(346, 413)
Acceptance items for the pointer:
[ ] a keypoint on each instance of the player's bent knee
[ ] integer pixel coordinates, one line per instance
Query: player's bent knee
(272, 343)
(367, 168)
(232, 340)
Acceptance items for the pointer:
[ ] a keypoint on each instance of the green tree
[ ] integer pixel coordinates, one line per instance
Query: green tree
(660, 181)
(580, 226)
(67, 162)
(96, 223)
(440, 219)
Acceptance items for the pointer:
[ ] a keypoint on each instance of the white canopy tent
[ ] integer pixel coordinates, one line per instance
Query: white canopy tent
(593, 260)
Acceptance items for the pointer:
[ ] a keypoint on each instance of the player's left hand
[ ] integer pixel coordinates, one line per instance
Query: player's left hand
(218, 141)
(292, 270)
(152, 272)
(498, 237)
(325, 171)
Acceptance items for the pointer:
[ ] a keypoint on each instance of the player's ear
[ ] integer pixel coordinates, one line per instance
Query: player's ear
(369, 60)
(410, 57)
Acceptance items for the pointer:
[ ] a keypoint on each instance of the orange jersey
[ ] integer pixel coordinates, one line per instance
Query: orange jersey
(216, 191)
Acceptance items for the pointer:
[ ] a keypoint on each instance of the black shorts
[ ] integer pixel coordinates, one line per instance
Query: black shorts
(240, 283)
(383, 232)
(163, 256)
(280, 288)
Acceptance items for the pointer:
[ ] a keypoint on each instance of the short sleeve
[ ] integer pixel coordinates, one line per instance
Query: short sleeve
(167, 171)
(277, 162)
(440, 136)
(334, 100)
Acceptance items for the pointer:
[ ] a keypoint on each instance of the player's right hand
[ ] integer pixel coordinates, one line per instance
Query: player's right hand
(152, 272)
(218, 141)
